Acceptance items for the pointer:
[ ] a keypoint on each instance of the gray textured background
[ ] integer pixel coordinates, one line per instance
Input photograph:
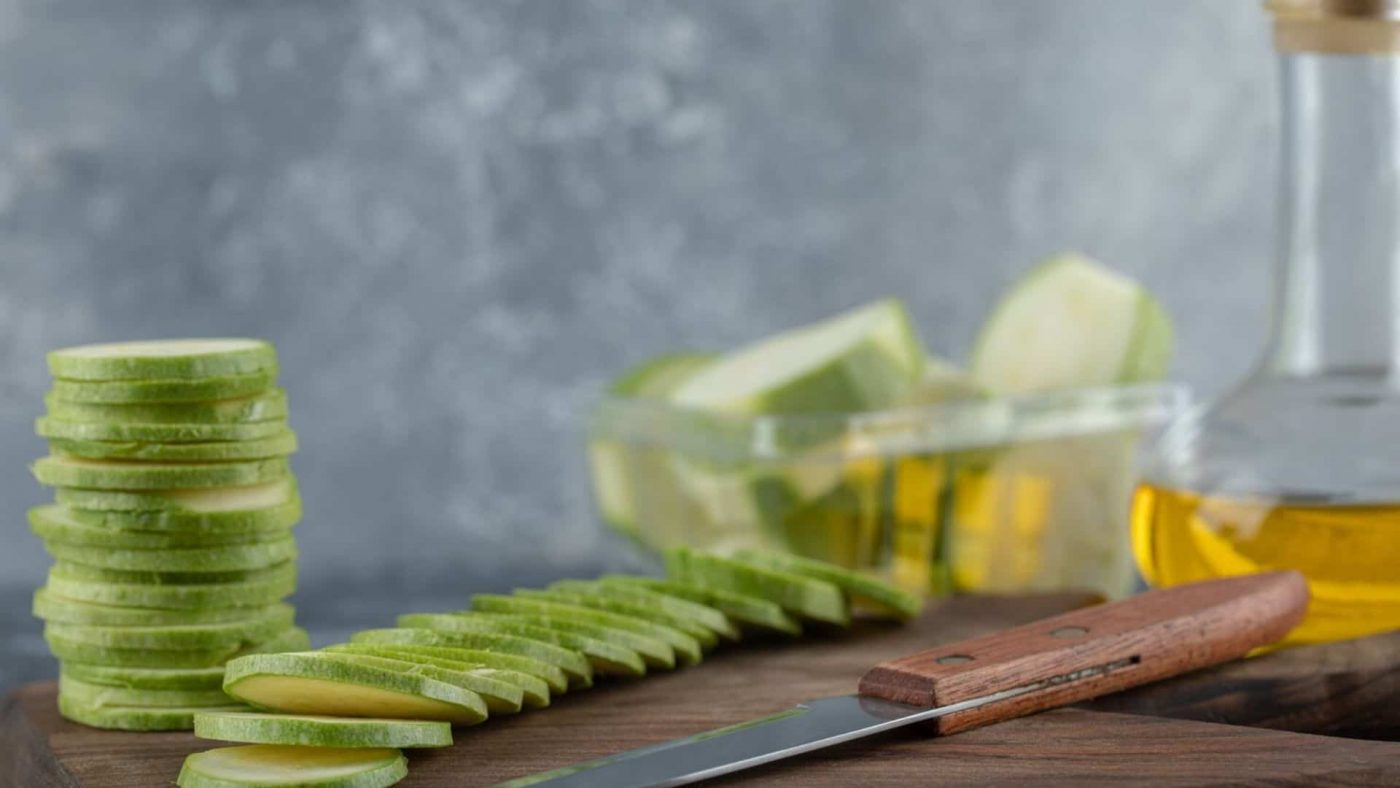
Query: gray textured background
(456, 218)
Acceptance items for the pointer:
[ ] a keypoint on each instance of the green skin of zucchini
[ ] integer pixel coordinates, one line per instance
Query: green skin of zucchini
(56, 609)
(501, 697)
(167, 638)
(278, 445)
(68, 472)
(606, 601)
(185, 560)
(145, 678)
(574, 665)
(686, 648)
(138, 433)
(542, 678)
(654, 653)
(814, 599)
(228, 767)
(264, 588)
(164, 391)
(266, 407)
(61, 524)
(175, 359)
(702, 615)
(311, 731)
(874, 593)
(135, 718)
(606, 658)
(97, 696)
(750, 611)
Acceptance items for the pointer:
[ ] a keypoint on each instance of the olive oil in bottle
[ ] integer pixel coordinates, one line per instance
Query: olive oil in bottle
(1299, 466)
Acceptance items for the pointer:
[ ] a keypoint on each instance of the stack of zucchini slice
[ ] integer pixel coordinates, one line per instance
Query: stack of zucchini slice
(171, 527)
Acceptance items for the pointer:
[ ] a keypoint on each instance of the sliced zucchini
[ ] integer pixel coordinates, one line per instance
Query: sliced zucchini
(283, 765)
(1068, 323)
(269, 406)
(607, 658)
(154, 390)
(654, 653)
(315, 683)
(536, 679)
(53, 608)
(803, 596)
(136, 432)
(864, 591)
(749, 611)
(177, 637)
(601, 599)
(686, 648)
(62, 524)
(702, 615)
(278, 445)
(311, 731)
(574, 665)
(137, 718)
(263, 587)
(182, 560)
(145, 678)
(865, 359)
(501, 697)
(97, 696)
(164, 358)
(126, 475)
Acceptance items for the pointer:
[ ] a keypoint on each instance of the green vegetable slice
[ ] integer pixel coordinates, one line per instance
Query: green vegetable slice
(601, 600)
(97, 696)
(164, 390)
(183, 560)
(278, 445)
(136, 718)
(173, 433)
(536, 679)
(700, 614)
(145, 678)
(654, 653)
(804, 596)
(53, 608)
(58, 523)
(269, 406)
(260, 588)
(865, 592)
(312, 731)
(126, 475)
(1068, 323)
(289, 765)
(165, 358)
(574, 665)
(749, 611)
(607, 658)
(501, 697)
(686, 648)
(315, 683)
(865, 359)
(177, 637)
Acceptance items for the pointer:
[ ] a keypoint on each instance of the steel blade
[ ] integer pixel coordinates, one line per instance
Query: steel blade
(803, 728)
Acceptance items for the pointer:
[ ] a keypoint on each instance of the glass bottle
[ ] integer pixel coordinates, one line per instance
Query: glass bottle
(1299, 466)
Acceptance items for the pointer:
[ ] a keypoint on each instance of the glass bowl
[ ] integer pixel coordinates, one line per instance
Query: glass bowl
(988, 495)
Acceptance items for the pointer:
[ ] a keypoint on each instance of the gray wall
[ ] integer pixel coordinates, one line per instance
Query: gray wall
(457, 218)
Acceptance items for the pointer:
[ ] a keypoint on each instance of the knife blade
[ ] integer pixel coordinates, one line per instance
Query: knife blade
(1046, 664)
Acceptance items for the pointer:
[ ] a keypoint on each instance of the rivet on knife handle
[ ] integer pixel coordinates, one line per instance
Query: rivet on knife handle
(1097, 650)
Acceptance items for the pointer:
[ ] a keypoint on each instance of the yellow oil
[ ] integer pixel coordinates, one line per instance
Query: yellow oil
(1349, 553)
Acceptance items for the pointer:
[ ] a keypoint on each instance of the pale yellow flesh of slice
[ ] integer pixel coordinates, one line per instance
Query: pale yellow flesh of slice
(282, 764)
(297, 695)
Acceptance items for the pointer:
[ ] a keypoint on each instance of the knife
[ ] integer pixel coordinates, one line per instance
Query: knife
(1054, 662)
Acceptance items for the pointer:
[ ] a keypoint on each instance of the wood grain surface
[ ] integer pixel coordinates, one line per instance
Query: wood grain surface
(1066, 747)
(1158, 634)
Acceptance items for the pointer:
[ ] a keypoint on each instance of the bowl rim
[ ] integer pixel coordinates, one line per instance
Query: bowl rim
(947, 426)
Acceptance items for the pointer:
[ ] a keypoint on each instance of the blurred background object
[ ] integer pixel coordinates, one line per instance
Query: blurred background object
(458, 220)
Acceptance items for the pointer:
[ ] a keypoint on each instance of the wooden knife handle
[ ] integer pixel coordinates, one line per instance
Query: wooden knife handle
(1119, 645)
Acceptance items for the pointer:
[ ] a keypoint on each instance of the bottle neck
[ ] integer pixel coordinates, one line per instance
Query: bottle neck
(1337, 306)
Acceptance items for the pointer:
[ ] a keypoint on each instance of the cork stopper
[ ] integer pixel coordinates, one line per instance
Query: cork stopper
(1339, 27)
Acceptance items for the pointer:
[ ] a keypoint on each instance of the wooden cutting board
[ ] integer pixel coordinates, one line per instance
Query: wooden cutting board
(1343, 688)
